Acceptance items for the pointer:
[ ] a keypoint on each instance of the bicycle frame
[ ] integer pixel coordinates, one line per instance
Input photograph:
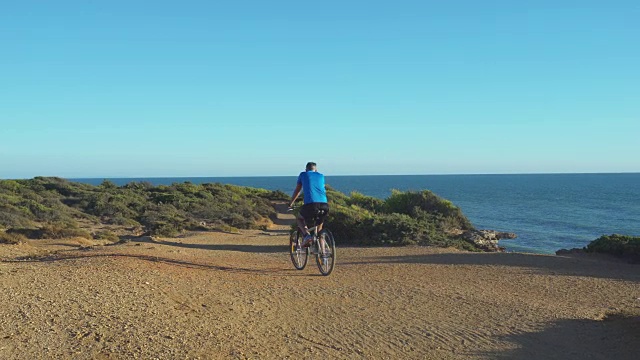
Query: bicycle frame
(316, 239)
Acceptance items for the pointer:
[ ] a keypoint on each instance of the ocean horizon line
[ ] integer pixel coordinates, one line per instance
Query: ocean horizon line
(329, 174)
(350, 175)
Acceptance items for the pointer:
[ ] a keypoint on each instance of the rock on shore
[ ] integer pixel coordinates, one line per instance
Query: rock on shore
(487, 239)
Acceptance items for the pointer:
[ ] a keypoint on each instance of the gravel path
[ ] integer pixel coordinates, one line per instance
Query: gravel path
(237, 296)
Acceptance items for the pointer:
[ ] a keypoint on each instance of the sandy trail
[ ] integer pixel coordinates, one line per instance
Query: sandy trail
(218, 295)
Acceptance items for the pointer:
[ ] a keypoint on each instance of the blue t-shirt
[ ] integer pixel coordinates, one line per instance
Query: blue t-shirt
(313, 187)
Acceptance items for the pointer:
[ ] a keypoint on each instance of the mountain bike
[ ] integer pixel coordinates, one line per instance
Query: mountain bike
(323, 247)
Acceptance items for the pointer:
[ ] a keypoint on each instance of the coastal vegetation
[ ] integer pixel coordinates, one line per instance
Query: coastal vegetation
(404, 218)
(8, 238)
(55, 208)
(49, 207)
(615, 244)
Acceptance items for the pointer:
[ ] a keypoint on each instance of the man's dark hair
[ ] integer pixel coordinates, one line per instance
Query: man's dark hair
(311, 166)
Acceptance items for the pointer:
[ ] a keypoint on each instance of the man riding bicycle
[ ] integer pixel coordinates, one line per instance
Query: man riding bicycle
(311, 183)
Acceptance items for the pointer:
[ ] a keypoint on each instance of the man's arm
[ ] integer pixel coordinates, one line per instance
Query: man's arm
(295, 195)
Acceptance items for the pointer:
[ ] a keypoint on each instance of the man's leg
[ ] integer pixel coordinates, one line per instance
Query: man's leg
(322, 242)
(302, 225)
(325, 209)
(323, 248)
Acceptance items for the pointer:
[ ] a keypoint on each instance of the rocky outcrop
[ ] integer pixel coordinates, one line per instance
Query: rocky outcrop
(487, 239)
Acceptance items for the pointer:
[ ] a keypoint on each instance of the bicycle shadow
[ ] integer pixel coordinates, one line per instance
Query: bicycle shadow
(275, 272)
(248, 248)
(263, 249)
(272, 232)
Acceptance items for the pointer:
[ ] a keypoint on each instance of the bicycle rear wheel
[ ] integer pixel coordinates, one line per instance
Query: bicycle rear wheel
(299, 255)
(326, 255)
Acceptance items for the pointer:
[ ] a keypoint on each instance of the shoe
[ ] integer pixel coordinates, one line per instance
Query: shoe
(308, 240)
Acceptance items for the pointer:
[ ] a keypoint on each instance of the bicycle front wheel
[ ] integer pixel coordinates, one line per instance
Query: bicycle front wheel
(326, 255)
(299, 255)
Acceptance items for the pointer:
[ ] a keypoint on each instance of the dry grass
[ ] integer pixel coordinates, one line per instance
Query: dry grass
(6, 238)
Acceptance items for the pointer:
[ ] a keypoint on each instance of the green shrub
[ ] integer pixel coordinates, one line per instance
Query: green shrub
(108, 184)
(109, 204)
(418, 204)
(166, 230)
(405, 218)
(10, 238)
(618, 245)
(277, 195)
(225, 228)
(336, 198)
(61, 230)
(106, 235)
(455, 242)
(398, 229)
(123, 221)
(366, 202)
(12, 217)
(164, 220)
(350, 224)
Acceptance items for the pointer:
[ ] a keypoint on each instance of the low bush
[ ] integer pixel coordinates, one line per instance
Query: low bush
(12, 217)
(225, 228)
(160, 210)
(351, 224)
(405, 218)
(53, 207)
(277, 195)
(106, 235)
(422, 204)
(11, 238)
(164, 220)
(366, 202)
(123, 221)
(166, 230)
(615, 244)
(60, 230)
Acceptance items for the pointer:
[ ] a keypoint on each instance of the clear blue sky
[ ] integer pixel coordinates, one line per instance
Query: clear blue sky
(242, 88)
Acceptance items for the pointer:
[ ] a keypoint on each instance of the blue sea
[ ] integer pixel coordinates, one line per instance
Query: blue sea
(547, 211)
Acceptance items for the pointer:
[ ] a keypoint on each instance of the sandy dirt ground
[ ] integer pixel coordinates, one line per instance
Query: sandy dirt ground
(237, 296)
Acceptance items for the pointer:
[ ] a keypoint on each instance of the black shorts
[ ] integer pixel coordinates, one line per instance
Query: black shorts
(317, 211)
